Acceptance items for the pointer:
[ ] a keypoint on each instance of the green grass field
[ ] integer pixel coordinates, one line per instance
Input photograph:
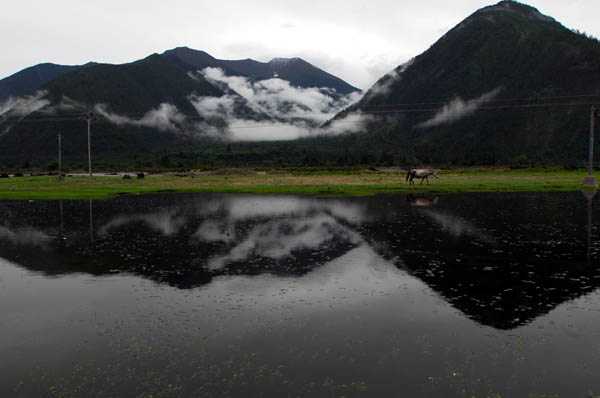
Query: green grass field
(328, 183)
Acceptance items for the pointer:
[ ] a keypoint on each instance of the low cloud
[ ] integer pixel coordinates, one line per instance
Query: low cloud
(282, 125)
(458, 109)
(250, 130)
(267, 110)
(214, 107)
(165, 118)
(279, 99)
(25, 105)
(383, 85)
(66, 104)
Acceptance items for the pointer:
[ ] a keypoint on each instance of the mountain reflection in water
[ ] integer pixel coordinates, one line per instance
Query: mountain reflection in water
(501, 259)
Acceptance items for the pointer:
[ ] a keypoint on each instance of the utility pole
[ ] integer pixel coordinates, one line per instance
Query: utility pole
(589, 195)
(589, 180)
(89, 117)
(60, 176)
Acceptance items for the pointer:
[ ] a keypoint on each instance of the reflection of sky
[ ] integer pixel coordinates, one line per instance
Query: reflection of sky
(25, 236)
(252, 207)
(275, 227)
(359, 273)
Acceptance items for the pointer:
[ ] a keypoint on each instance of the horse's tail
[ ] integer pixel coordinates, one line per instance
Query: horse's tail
(407, 175)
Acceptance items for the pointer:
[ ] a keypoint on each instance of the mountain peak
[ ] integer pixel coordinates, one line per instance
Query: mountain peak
(517, 8)
(508, 50)
(283, 61)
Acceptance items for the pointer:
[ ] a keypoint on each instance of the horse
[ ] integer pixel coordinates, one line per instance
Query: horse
(421, 201)
(423, 174)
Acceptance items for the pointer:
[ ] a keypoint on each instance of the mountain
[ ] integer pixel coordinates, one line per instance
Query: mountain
(295, 70)
(30, 79)
(177, 100)
(507, 84)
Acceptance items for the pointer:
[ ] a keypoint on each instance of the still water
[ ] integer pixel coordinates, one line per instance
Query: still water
(485, 295)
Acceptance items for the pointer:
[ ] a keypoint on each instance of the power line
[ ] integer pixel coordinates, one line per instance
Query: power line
(441, 103)
(364, 112)
(489, 105)
(532, 99)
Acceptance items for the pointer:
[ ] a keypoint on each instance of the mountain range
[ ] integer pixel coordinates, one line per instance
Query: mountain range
(506, 85)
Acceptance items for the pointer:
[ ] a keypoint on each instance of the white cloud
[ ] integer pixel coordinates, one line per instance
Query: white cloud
(25, 105)
(354, 32)
(384, 85)
(278, 98)
(213, 107)
(295, 112)
(165, 118)
(287, 112)
(457, 109)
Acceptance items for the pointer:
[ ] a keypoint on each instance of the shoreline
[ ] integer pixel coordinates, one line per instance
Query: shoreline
(361, 182)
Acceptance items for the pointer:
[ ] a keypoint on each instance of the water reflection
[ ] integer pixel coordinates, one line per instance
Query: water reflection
(165, 222)
(501, 259)
(457, 227)
(288, 226)
(25, 236)
(421, 200)
(589, 195)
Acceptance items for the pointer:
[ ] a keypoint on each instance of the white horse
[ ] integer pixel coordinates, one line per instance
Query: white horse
(423, 174)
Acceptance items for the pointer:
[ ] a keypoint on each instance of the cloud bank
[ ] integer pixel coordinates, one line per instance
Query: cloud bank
(383, 85)
(458, 109)
(266, 110)
(165, 118)
(281, 100)
(25, 105)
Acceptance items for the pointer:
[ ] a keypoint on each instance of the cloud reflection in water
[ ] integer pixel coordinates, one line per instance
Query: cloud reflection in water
(25, 236)
(166, 222)
(284, 225)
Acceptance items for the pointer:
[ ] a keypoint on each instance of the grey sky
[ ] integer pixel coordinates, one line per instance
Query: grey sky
(357, 40)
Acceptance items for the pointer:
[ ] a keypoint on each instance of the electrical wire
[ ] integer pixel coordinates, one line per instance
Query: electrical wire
(401, 108)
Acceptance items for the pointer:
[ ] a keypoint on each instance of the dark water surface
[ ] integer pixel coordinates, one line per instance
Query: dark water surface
(485, 295)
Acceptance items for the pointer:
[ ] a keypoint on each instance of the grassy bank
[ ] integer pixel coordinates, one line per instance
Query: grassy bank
(330, 183)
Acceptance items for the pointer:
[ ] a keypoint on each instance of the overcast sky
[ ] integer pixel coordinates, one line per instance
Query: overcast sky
(357, 40)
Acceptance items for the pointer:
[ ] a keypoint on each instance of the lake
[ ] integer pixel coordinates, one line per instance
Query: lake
(479, 294)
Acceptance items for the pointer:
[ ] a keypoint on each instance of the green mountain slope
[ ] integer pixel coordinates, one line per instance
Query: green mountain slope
(30, 79)
(127, 91)
(295, 70)
(146, 109)
(530, 80)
